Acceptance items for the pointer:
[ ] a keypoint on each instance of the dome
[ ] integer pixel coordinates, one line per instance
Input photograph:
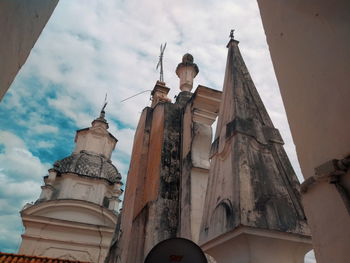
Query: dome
(88, 164)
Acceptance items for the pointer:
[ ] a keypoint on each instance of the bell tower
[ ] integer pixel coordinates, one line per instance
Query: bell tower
(76, 213)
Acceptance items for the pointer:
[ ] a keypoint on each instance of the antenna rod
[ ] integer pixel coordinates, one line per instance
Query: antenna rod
(135, 95)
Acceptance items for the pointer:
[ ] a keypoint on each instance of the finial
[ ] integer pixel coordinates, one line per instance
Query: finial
(187, 58)
(101, 118)
(160, 62)
(187, 70)
(231, 34)
(232, 39)
(102, 113)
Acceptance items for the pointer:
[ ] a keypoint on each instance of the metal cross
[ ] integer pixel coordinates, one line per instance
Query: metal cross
(160, 62)
(231, 34)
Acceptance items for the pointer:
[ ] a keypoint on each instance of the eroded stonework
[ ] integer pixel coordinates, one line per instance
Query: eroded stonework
(88, 164)
(238, 198)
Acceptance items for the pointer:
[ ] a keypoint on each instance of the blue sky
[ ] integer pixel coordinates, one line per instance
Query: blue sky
(88, 50)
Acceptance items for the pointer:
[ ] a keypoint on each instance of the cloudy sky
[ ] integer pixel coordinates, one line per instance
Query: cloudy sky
(90, 48)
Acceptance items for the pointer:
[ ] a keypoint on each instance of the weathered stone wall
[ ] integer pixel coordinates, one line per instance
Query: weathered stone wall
(163, 212)
(137, 169)
(150, 212)
(251, 181)
(198, 116)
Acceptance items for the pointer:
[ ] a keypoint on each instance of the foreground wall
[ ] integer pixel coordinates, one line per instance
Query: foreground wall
(21, 23)
(309, 44)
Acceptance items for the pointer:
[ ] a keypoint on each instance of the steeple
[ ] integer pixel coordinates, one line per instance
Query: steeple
(252, 190)
(96, 139)
(79, 202)
(101, 118)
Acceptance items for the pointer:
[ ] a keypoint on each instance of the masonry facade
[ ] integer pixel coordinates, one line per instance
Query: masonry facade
(76, 213)
(238, 197)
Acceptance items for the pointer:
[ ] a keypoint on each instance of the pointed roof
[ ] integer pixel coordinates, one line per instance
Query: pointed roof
(251, 181)
(239, 86)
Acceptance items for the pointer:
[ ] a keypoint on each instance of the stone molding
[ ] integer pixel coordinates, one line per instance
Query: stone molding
(205, 105)
(159, 93)
(74, 203)
(257, 232)
(328, 172)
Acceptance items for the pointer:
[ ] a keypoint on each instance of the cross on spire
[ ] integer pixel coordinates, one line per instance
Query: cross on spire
(160, 62)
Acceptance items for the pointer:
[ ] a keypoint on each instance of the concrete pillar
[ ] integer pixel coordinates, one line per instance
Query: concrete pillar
(198, 117)
(309, 45)
(115, 201)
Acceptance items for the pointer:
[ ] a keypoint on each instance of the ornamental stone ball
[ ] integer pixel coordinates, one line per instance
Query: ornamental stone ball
(187, 71)
(187, 58)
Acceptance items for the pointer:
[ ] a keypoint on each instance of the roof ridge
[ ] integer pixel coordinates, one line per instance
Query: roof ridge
(6, 257)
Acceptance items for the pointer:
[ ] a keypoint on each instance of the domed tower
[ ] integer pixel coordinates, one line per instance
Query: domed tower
(76, 213)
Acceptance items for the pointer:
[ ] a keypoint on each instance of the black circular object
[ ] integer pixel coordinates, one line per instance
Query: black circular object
(176, 250)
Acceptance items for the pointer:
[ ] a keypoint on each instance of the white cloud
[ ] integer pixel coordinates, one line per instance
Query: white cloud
(17, 160)
(20, 178)
(45, 144)
(9, 232)
(71, 109)
(44, 128)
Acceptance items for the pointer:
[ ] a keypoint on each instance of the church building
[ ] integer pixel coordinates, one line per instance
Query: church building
(76, 213)
(236, 196)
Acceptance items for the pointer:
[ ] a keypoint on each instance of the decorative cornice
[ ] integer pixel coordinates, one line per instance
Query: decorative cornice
(73, 203)
(262, 134)
(328, 172)
(219, 240)
(205, 105)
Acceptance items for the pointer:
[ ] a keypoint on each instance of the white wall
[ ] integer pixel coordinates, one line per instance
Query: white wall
(21, 23)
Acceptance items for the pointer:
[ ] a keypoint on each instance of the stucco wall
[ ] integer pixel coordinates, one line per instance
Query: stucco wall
(309, 44)
(21, 23)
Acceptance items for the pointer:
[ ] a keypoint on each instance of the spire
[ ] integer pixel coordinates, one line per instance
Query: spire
(187, 71)
(101, 118)
(241, 99)
(251, 182)
(96, 139)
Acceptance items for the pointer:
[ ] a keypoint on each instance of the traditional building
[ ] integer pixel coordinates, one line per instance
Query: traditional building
(76, 214)
(169, 168)
(242, 206)
(253, 210)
